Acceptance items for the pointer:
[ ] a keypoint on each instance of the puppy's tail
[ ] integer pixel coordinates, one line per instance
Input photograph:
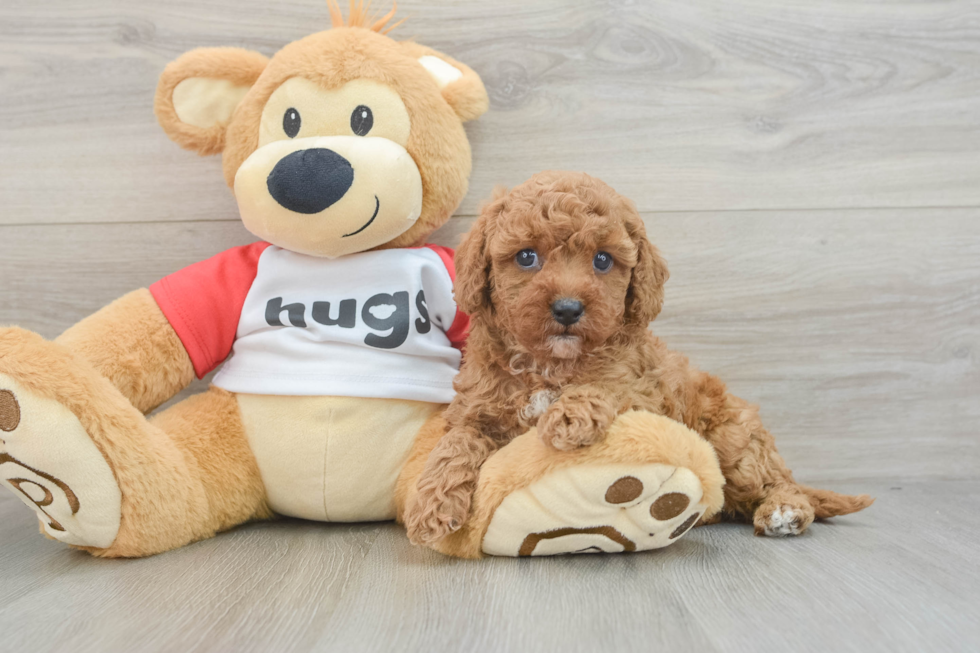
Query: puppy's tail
(829, 504)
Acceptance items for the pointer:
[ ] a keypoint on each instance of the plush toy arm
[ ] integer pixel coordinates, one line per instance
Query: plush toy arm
(132, 344)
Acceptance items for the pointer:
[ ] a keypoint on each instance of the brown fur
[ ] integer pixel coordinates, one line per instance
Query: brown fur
(358, 16)
(635, 438)
(184, 476)
(437, 142)
(145, 361)
(208, 427)
(609, 362)
(189, 472)
(239, 66)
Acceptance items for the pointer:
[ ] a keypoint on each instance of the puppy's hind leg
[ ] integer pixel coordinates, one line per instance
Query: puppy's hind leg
(789, 509)
(785, 511)
(759, 484)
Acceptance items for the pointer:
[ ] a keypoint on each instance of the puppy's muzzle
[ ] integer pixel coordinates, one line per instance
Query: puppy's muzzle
(567, 311)
(309, 181)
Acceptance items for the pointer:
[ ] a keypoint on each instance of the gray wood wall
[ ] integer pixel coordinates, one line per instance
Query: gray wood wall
(810, 169)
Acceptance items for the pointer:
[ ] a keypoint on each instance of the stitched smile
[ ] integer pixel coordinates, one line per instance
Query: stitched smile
(377, 205)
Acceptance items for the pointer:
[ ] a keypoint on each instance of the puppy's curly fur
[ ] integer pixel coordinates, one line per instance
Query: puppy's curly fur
(524, 368)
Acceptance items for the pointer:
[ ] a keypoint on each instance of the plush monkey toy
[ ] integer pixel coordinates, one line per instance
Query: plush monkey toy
(344, 151)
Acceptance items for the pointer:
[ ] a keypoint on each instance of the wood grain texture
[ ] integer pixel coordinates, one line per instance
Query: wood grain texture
(903, 576)
(856, 331)
(707, 105)
(809, 170)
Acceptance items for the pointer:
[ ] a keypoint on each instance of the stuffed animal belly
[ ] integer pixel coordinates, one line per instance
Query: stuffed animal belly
(332, 458)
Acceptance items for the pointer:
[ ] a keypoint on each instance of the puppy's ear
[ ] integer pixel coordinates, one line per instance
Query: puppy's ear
(460, 86)
(200, 90)
(645, 296)
(472, 288)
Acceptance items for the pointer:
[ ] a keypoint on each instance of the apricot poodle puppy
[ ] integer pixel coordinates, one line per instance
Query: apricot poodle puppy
(561, 284)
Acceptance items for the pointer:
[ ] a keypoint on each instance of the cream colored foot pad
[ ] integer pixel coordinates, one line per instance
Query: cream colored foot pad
(52, 465)
(597, 508)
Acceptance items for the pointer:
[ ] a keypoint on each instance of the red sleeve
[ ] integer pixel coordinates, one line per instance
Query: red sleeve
(203, 303)
(461, 323)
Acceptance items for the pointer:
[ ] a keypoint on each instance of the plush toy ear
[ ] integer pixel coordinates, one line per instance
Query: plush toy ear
(460, 86)
(200, 90)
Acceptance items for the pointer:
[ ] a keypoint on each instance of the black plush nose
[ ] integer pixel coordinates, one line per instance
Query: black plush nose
(308, 181)
(567, 311)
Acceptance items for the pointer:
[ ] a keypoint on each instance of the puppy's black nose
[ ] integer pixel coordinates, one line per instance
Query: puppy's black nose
(308, 181)
(567, 311)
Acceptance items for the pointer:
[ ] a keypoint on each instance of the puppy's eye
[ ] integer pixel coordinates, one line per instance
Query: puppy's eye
(527, 259)
(291, 122)
(602, 262)
(362, 120)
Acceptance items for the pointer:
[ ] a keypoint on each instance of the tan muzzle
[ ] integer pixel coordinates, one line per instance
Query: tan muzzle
(329, 196)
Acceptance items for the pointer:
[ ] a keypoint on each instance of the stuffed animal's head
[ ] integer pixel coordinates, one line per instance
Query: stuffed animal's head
(344, 141)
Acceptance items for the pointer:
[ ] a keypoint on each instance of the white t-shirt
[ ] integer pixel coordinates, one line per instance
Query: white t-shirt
(374, 324)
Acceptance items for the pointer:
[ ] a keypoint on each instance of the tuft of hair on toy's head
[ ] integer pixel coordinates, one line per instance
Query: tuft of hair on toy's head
(359, 15)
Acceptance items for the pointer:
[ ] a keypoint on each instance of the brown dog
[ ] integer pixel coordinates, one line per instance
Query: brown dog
(561, 284)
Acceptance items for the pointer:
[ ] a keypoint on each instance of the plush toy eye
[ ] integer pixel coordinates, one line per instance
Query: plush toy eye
(527, 259)
(291, 122)
(362, 120)
(602, 262)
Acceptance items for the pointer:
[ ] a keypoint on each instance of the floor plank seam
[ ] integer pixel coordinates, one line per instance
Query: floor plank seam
(967, 207)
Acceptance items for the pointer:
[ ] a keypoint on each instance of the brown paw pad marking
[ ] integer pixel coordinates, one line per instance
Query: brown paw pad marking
(686, 526)
(9, 411)
(669, 506)
(19, 483)
(624, 490)
(531, 541)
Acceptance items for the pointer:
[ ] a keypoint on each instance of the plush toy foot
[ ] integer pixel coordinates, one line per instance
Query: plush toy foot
(100, 476)
(597, 508)
(642, 487)
(50, 462)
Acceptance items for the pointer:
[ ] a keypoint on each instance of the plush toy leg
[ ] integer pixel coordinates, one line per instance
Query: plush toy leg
(642, 488)
(103, 478)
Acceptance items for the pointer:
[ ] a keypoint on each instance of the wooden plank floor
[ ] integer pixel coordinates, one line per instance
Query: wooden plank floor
(811, 172)
(905, 576)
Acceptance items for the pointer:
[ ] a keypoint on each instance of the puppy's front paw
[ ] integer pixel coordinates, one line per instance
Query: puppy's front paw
(578, 419)
(432, 517)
